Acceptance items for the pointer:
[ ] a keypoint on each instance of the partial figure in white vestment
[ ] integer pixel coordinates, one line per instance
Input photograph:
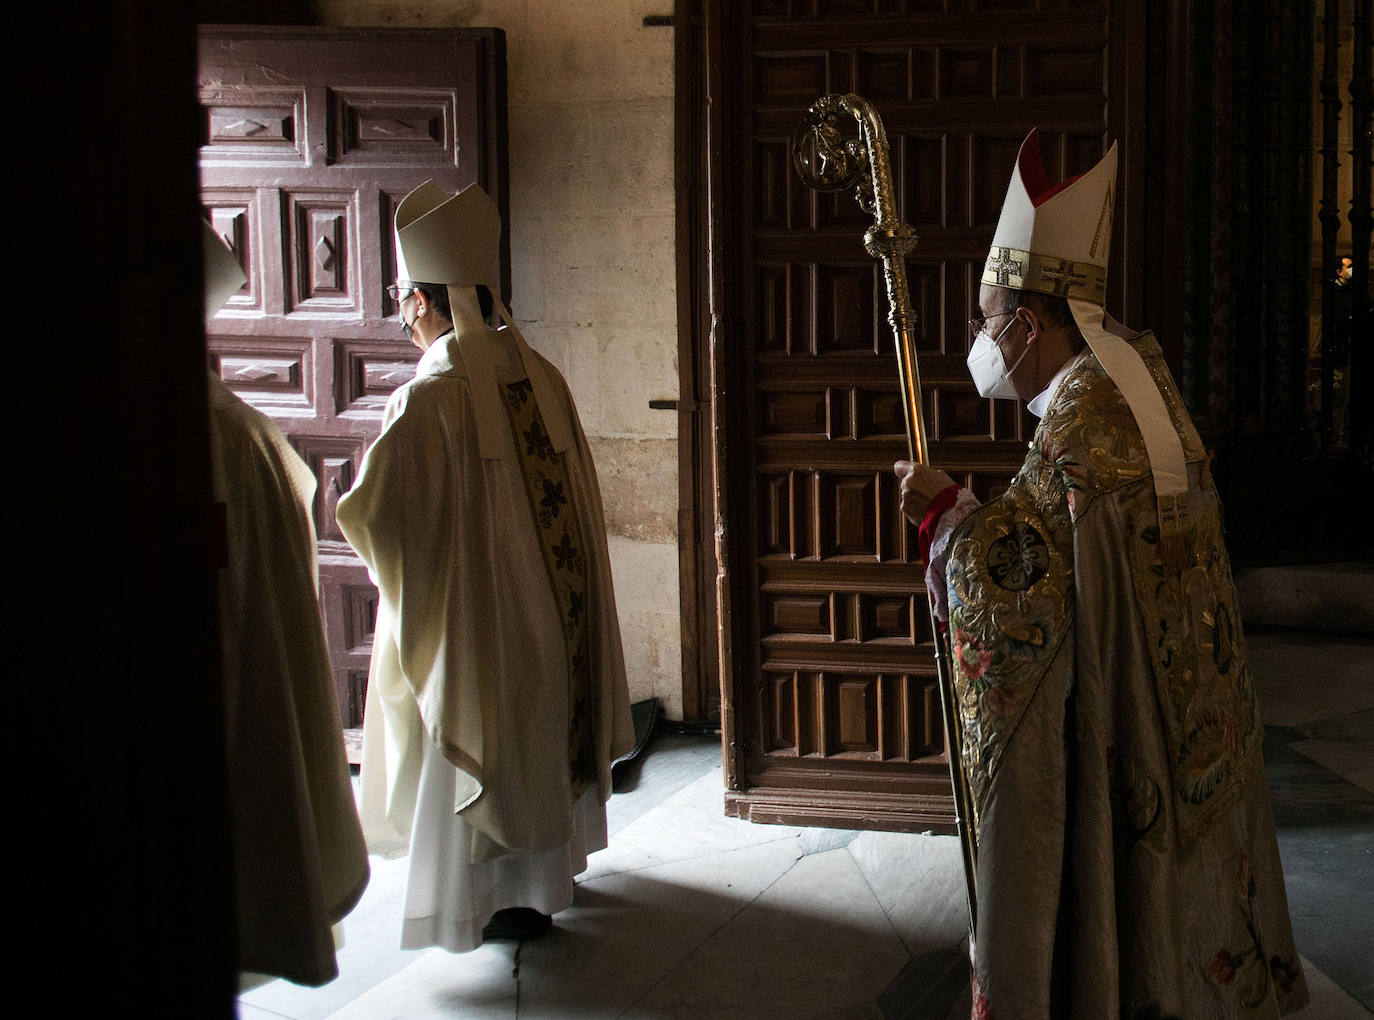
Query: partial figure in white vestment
(300, 863)
(497, 698)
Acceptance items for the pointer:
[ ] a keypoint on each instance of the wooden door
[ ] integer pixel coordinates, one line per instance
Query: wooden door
(310, 138)
(831, 707)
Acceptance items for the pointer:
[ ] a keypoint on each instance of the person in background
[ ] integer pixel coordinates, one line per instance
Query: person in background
(300, 863)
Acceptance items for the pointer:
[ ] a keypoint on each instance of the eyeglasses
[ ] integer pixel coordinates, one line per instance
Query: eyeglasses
(976, 324)
(399, 292)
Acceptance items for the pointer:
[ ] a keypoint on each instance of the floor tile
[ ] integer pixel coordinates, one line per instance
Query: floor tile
(1327, 874)
(626, 931)
(1285, 662)
(440, 986)
(1352, 762)
(1326, 842)
(1306, 793)
(815, 943)
(1354, 726)
(932, 985)
(689, 913)
(818, 841)
(668, 762)
(249, 1012)
(919, 880)
(1328, 1001)
(690, 823)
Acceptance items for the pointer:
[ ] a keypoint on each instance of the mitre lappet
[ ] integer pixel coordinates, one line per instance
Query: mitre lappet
(1055, 239)
(456, 242)
(223, 275)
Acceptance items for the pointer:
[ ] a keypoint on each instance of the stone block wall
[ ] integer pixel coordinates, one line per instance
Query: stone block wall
(592, 263)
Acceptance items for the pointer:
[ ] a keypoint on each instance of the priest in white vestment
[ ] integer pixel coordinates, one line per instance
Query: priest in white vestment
(300, 863)
(497, 697)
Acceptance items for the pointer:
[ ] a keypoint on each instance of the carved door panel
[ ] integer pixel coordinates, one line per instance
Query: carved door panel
(310, 139)
(833, 704)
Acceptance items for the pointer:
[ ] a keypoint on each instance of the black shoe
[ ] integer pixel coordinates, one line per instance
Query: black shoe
(516, 924)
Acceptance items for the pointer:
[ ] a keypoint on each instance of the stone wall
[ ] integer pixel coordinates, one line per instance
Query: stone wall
(592, 263)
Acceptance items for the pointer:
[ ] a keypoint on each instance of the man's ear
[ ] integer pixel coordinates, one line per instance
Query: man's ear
(1027, 315)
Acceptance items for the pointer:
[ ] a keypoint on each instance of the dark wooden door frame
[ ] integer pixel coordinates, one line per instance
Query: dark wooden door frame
(696, 542)
(705, 297)
(113, 529)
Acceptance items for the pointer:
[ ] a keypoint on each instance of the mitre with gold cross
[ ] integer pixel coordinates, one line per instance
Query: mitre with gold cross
(1055, 239)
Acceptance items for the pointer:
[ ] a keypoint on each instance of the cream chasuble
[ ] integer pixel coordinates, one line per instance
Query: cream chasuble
(469, 705)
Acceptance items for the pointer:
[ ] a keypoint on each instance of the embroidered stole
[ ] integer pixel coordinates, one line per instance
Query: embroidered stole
(560, 538)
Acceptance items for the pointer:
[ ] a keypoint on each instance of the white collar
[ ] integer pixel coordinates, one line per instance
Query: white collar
(437, 359)
(1040, 403)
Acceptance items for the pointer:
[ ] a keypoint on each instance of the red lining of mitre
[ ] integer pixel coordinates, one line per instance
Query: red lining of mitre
(1031, 166)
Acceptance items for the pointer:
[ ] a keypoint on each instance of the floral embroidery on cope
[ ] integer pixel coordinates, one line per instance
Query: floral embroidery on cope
(1285, 974)
(1241, 963)
(1137, 803)
(981, 1009)
(557, 522)
(1010, 601)
(1087, 445)
(1206, 689)
(1019, 558)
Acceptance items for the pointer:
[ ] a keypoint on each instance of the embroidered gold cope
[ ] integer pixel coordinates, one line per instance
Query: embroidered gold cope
(1128, 863)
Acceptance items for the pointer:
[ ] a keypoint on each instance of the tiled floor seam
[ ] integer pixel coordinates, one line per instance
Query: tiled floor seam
(878, 900)
(238, 1012)
(712, 934)
(675, 860)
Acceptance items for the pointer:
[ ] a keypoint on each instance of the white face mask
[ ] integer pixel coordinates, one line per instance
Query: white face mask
(989, 369)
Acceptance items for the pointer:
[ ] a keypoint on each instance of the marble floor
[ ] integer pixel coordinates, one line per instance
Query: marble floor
(692, 914)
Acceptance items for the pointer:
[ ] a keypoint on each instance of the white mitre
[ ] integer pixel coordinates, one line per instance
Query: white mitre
(456, 242)
(223, 275)
(1056, 239)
